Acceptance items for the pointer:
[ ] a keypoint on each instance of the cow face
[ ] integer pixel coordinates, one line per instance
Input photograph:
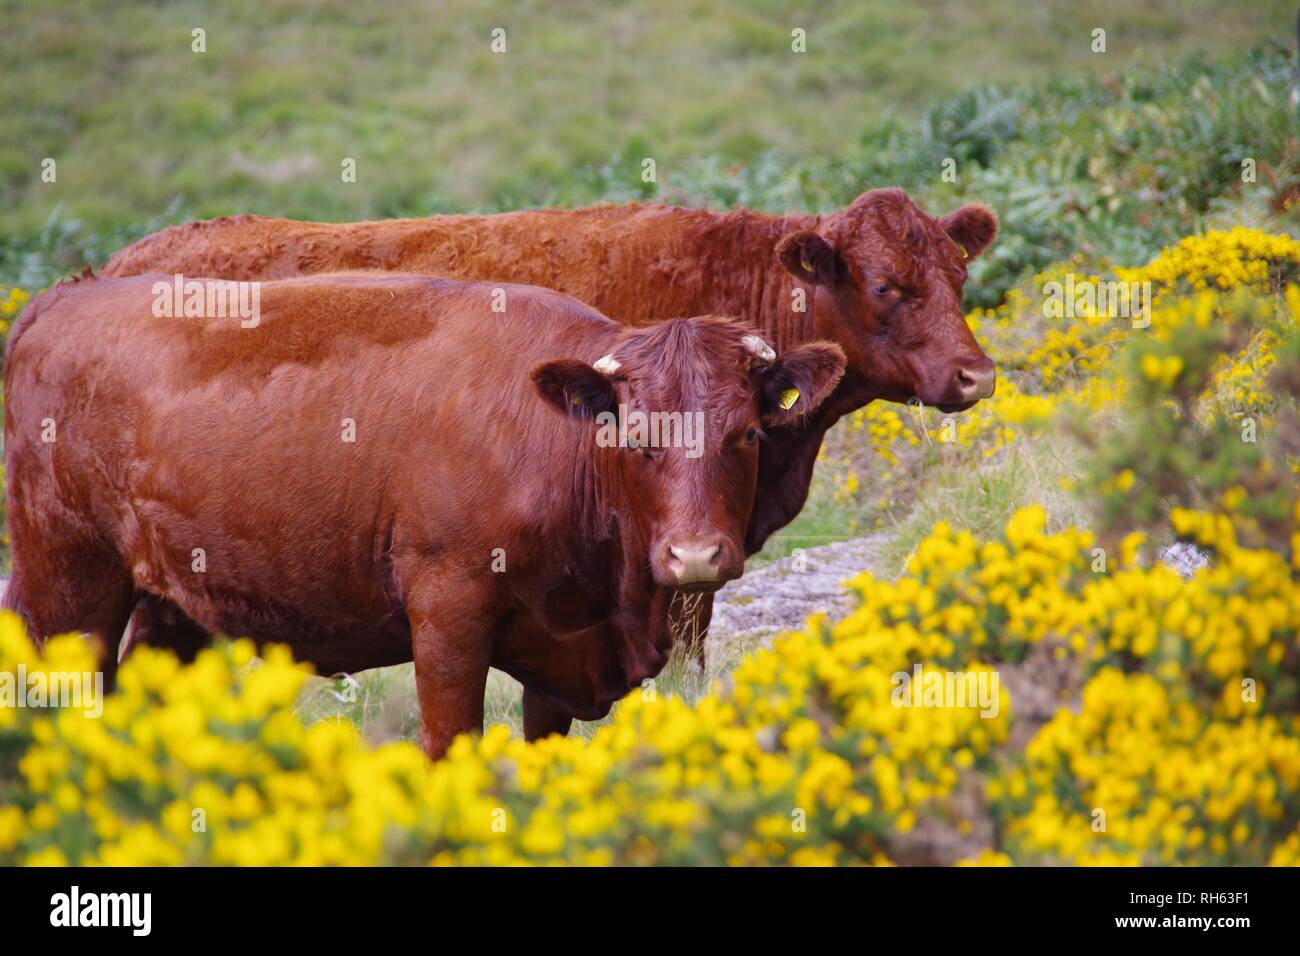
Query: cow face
(888, 285)
(679, 410)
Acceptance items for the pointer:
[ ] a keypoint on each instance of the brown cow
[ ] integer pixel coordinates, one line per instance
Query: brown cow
(880, 278)
(367, 473)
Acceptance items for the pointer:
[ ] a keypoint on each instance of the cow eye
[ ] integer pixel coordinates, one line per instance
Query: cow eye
(633, 444)
(882, 289)
(642, 447)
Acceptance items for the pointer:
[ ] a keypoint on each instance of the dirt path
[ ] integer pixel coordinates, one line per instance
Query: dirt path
(780, 596)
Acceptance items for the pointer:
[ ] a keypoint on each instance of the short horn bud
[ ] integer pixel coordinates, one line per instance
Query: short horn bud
(762, 351)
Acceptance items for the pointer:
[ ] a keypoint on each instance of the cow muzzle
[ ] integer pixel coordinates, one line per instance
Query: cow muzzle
(970, 382)
(976, 382)
(698, 562)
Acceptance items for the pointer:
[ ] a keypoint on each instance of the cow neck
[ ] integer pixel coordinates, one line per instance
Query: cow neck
(851, 394)
(752, 287)
(778, 319)
(764, 297)
(788, 456)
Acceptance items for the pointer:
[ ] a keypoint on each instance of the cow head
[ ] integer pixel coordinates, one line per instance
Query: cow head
(686, 487)
(888, 284)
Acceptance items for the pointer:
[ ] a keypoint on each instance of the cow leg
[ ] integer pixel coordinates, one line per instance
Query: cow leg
(451, 648)
(542, 719)
(90, 593)
(159, 623)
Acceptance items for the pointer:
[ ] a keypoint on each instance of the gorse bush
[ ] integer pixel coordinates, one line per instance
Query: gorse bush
(806, 757)
(750, 777)
(1207, 389)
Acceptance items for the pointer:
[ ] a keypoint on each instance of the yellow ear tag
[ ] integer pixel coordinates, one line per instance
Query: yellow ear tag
(788, 398)
(964, 253)
(807, 266)
(577, 399)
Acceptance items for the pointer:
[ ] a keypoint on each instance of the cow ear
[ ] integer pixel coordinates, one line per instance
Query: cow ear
(575, 388)
(799, 381)
(809, 257)
(973, 227)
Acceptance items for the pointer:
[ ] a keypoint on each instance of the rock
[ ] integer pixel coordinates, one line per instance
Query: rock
(777, 597)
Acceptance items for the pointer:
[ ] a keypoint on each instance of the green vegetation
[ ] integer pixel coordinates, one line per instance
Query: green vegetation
(1122, 158)
(436, 121)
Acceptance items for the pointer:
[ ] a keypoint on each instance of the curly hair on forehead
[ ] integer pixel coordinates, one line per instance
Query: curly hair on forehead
(893, 214)
(912, 241)
(692, 357)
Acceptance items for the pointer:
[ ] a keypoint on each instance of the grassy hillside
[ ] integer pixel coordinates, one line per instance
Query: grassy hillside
(261, 121)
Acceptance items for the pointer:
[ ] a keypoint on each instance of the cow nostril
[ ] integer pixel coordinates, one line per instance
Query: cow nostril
(974, 385)
(694, 563)
(707, 554)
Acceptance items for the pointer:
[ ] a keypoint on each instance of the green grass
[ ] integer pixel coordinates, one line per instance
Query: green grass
(981, 496)
(382, 703)
(436, 121)
(1111, 167)
(827, 517)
